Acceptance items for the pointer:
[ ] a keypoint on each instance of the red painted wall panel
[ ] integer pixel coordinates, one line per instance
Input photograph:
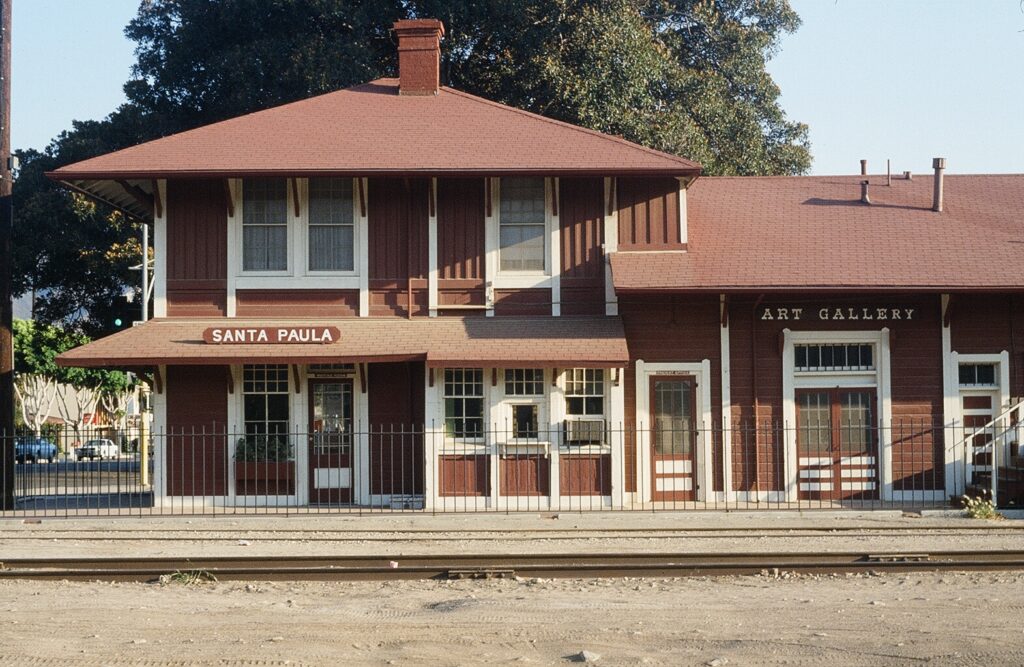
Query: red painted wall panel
(648, 213)
(396, 419)
(297, 303)
(670, 329)
(196, 248)
(522, 302)
(989, 324)
(581, 215)
(197, 413)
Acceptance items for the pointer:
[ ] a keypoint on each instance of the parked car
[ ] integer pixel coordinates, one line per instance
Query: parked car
(98, 449)
(32, 449)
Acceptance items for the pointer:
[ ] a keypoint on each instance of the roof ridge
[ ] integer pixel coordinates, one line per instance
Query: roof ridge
(577, 128)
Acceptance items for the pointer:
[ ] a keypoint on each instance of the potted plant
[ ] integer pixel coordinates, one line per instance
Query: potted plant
(264, 465)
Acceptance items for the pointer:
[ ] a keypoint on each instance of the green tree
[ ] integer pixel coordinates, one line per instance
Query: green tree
(684, 76)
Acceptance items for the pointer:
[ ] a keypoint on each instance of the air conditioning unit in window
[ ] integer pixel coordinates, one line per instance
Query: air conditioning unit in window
(584, 431)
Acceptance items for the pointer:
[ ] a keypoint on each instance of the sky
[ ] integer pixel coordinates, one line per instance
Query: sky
(906, 80)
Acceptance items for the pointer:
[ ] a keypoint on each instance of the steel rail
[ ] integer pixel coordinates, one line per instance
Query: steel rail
(456, 536)
(377, 567)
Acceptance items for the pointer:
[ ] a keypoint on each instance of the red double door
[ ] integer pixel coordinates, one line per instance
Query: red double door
(837, 444)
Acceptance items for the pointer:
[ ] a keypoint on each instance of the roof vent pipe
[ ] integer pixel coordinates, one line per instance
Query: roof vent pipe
(907, 175)
(863, 167)
(864, 192)
(939, 165)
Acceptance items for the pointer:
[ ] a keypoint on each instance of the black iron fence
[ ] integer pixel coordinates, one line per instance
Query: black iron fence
(576, 467)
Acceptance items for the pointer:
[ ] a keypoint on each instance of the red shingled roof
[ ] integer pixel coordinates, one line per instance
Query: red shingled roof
(775, 233)
(441, 341)
(370, 129)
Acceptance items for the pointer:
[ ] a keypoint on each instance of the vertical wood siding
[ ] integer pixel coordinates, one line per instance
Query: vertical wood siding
(648, 213)
(671, 329)
(398, 219)
(395, 393)
(581, 216)
(296, 303)
(196, 248)
(916, 384)
(196, 403)
(461, 476)
(460, 228)
(525, 475)
(585, 475)
(989, 325)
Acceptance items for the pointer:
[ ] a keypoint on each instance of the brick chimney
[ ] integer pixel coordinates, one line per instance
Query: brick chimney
(419, 56)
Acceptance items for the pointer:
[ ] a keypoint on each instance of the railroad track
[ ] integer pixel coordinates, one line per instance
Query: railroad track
(361, 568)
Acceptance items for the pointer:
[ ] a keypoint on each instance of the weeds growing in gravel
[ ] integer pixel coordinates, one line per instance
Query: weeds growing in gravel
(981, 506)
(188, 577)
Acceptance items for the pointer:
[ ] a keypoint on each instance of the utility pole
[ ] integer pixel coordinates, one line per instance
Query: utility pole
(6, 255)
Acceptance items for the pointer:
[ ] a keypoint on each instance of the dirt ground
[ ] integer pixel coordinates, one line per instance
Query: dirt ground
(949, 619)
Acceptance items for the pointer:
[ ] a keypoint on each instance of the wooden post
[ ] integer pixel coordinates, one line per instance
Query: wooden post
(6, 305)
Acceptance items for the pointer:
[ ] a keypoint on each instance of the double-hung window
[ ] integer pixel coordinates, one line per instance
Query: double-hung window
(464, 403)
(584, 405)
(522, 225)
(331, 228)
(265, 225)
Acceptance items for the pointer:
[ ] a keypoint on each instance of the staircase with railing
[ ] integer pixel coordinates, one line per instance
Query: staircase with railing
(994, 458)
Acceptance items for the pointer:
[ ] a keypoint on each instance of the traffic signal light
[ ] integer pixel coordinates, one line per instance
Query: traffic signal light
(123, 311)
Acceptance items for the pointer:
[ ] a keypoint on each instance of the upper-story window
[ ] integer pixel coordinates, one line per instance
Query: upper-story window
(265, 225)
(331, 228)
(978, 375)
(522, 225)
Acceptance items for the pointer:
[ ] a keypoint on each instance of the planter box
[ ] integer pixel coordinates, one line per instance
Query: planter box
(265, 478)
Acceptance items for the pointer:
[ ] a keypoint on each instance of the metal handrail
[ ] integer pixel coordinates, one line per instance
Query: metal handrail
(990, 427)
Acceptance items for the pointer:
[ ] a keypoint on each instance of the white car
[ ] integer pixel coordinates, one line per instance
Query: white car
(101, 449)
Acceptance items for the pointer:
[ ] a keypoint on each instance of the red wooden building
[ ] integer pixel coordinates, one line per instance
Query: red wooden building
(400, 294)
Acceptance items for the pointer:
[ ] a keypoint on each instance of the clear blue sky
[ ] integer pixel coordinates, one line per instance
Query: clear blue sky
(902, 79)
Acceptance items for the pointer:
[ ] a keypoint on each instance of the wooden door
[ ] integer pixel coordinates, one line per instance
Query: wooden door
(330, 442)
(673, 406)
(837, 444)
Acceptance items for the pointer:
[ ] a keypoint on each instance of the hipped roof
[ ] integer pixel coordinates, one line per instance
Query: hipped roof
(801, 233)
(371, 129)
(500, 342)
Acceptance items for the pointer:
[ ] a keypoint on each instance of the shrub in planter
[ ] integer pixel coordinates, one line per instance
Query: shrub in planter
(263, 448)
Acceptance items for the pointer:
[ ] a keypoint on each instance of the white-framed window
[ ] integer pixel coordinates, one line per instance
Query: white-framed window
(584, 406)
(981, 375)
(525, 398)
(464, 403)
(833, 357)
(265, 400)
(522, 225)
(584, 392)
(331, 225)
(265, 225)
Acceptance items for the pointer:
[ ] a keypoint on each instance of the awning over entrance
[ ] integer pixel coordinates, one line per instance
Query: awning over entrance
(502, 342)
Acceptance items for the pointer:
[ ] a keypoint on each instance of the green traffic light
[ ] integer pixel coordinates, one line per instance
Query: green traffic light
(117, 322)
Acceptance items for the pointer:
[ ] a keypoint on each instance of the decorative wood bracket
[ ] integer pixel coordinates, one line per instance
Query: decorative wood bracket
(494, 377)
(487, 197)
(362, 197)
(947, 310)
(158, 380)
(295, 378)
(610, 204)
(230, 378)
(293, 188)
(144, 199)
(554, 197)
(723, 310)
(362, 378)
(229, 195)
(430, 376)
(432, 198)
(554, 377)
(616, 376)
(158, 198)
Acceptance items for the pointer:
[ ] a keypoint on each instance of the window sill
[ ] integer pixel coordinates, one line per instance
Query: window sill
(515, 447)
(319, 281)
(524, 280)
(584, 449)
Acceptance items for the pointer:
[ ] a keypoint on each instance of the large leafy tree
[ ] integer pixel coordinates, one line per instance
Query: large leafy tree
(684, 76)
